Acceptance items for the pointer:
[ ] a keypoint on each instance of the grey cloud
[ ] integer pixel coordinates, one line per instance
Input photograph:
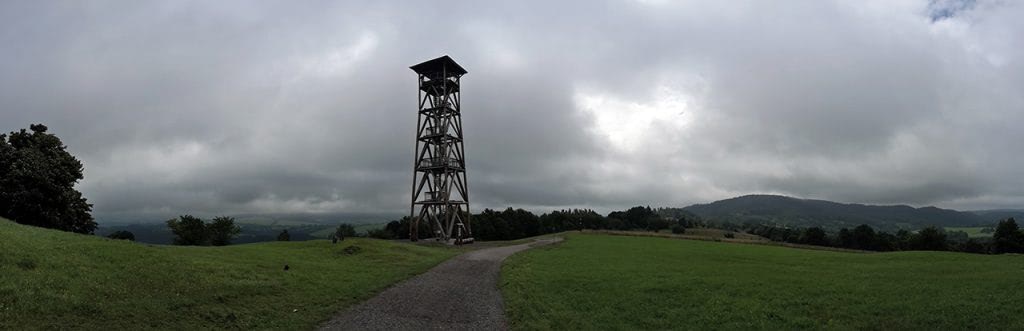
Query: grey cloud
(282, 107)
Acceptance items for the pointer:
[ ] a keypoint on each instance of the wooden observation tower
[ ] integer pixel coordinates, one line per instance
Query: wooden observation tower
(439, 188)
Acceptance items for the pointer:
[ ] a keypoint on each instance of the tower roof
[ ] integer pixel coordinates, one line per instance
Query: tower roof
(440, 67)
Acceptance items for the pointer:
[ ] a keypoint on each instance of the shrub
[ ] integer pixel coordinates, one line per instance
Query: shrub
(679, 229)
(284, 236)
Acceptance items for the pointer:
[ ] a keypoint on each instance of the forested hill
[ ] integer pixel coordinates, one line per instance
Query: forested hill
(787, 211)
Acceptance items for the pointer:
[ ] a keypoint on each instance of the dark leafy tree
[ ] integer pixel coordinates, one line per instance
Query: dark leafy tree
(591, 219)
(284, 236)
(903, 239)
(972, 246)
(616, 224)
(844, 238)
(864, 238)
(123, 235)
(1008, 237)
(37, 179)
(657, 223)
(525, 224)
(556, 221)
(678, 229)
(222, 230)
(814, 236)
(399, 229)
(929, 239)
(189, 231)
(637, 217)
(516, 223)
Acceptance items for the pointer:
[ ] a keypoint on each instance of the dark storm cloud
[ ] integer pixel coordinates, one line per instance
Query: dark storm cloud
(242, 107)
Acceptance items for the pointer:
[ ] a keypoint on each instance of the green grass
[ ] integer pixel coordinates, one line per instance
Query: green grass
(973, 232)
(626, 283)
(56, 280)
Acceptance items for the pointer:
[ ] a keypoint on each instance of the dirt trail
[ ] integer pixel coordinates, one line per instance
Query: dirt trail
(459, 294)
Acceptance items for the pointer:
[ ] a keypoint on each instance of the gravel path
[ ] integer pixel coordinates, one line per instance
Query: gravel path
(459, 294)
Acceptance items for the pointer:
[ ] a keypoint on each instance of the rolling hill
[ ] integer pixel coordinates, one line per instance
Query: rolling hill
(788, 211)
(57, 280)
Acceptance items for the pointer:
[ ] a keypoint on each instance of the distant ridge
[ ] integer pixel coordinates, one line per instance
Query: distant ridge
(789, 211)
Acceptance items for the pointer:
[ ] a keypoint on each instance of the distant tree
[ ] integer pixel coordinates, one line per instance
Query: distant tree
(1007, 237)
(37, 182)
(222, 230)
(972, 246)
(483, 225)
(616, 224)
(814, 236)
(929, 239)
(557, 221)
(637, 217)
(523, 223)
(284, 236)
(123, 235)
(844, 238)
(591, 219)
(502, 231)
(345, 230)
(399, 229)
(657, 223)
(678, 229)
(188, 231)
(903, 239)
(889, 242)
(864, 237)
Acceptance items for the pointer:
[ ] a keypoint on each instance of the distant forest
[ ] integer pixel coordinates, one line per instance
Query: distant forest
(777, 218)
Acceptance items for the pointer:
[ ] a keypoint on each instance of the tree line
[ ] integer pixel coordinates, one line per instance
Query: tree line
(1006, 238)
(512, 224)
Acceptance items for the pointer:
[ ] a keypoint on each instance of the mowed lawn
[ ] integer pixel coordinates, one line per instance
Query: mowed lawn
(56, 280)
(616, 282)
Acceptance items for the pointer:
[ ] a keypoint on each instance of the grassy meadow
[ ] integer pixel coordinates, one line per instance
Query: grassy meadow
(57, 280)
(972, 232)
(594, 281)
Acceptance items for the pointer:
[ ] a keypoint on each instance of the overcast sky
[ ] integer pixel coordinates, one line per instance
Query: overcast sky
(302, 106)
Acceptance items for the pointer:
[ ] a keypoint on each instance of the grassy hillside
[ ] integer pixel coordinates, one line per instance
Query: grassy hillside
(56, 280)
(781, 210)
(627, 283)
